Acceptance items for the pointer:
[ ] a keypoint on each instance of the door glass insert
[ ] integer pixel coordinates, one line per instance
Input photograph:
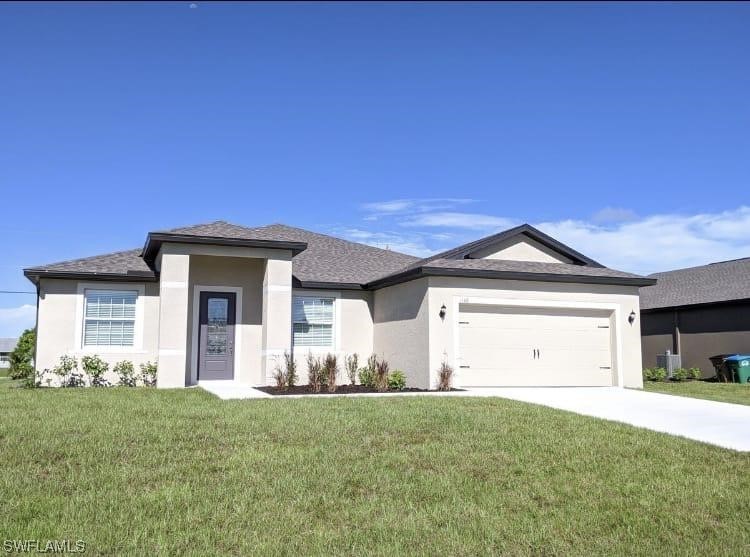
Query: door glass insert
(218, 312)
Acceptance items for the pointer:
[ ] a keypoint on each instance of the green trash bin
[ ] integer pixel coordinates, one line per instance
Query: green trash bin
(739, 367)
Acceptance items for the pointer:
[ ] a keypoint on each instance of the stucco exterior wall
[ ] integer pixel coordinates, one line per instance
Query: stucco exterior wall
(401, 330)
(449, 292)
(521, 249)
(353, 330)
(60, 323)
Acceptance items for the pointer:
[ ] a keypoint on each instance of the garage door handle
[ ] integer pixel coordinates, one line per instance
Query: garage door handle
(605, 367)
(464, 367)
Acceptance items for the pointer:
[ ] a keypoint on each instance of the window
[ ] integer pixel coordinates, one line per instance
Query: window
(109, 318)
(312, 321)
(4, 357)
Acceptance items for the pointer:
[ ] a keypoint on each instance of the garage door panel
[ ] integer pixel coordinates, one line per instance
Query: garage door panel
(497, 347)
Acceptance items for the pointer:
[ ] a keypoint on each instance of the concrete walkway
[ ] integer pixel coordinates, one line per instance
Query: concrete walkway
(718, 423)
(227, 390)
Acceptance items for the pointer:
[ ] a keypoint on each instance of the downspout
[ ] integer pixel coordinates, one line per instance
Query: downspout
(36, 323)
(676, 341)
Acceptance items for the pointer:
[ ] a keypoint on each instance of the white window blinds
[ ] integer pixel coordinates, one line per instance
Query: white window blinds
(312, 321)
(109, 318)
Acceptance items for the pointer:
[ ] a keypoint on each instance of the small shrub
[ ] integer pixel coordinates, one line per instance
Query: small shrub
(397, 380)
(148, 374)
(279, 377)
(330, 371)
(367, 377)
(290, 367)
(34, 380)
(125, 372)
(695, 373)
(445, 377)
(352, 363)
(679, 374)
(381, 376)
(65, 370)
(314, 373)
(654, 374)
(95, 368)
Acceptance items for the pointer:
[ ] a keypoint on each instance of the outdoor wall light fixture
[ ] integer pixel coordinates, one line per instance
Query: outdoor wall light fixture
(442, 311)
(631, 317)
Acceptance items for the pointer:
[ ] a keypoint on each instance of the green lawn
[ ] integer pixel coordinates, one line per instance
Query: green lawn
(723, 392)
(144, 471)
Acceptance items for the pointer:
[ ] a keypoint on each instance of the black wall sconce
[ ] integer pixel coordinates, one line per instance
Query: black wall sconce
(442, 311)
(631, 317)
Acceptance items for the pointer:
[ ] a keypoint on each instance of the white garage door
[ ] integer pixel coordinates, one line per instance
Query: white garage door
(512, 346)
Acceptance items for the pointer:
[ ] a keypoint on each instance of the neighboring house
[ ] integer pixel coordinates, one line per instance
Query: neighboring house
(6, 347)
(697, 312)
(222, 301)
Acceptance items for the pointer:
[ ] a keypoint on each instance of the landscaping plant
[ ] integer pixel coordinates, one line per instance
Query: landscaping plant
(314, 373)
(148, 374)
(679, 374)
(695, 373)
(95, 368)
(445, 377)
(352, 363)
(397, 380)
(290, 367)
(65, 370)
(654, 374)
(330, 371)
(367, 377)
(21, 356)
(279, 377)
(381, 376)
(125, 372)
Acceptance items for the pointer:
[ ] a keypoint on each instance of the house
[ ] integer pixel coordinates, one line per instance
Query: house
(222, 301)
(6, 347)
(697, 313)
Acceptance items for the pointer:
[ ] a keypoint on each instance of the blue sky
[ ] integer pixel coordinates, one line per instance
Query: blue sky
(622, 129)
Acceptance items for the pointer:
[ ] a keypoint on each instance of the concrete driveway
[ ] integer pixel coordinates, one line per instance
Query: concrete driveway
(717, 423)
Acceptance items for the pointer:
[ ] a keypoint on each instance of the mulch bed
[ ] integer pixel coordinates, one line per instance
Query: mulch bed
(340, 390)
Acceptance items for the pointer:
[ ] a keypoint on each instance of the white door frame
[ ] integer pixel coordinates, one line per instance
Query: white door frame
(519, 302)
(197, 289)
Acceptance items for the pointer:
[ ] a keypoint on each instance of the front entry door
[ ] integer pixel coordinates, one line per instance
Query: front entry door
(216, 335)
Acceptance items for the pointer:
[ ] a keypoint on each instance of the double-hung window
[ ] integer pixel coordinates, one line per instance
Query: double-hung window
(109, 317)
(312, 321)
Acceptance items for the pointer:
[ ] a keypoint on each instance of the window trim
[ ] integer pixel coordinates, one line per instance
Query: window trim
(139, 289)
(336, 329)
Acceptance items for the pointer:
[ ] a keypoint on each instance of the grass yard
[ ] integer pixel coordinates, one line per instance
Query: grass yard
(723, 392)
(141, 471)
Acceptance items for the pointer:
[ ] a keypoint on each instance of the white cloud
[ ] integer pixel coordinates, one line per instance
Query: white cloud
(660, 242)
(410, 206)
(13, 321)
(614, 214)
(447, 219)
(616, 237)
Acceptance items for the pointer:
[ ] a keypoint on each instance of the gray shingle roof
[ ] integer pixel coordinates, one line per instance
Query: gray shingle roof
(326, 259)
(717, 282)
(7, 344)
(119, 262)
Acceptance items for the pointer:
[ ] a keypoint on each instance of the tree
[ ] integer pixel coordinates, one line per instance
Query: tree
(22, 356)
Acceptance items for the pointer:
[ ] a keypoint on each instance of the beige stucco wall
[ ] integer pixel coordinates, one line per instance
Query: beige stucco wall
(521, 249)
(401, 329)
(244, 273)
(60, 323)
(353, 329)
(450, 291)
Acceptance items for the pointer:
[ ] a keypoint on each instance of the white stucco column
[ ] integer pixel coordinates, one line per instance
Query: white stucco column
(277, 314)
(173, 320)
